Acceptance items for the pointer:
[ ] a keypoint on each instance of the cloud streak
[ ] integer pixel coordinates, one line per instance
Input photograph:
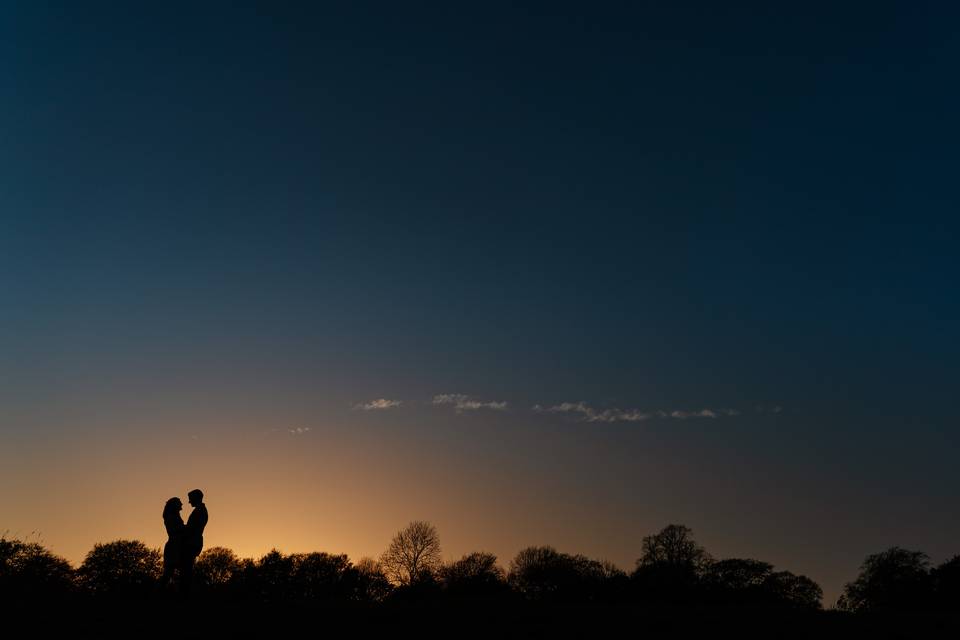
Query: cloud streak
(462, 402)
(581, 411)
(589, 414)
(703, 413)
(586, 413)
(380, 404)
(769, 409)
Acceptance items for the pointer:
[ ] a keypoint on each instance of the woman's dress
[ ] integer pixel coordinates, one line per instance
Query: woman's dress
(175, 534)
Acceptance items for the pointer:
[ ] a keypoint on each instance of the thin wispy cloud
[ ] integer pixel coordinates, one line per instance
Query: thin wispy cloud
(462, 402)
(703, 413)
(582, 411)
(589, 414)
(586, 413)
(298, 431)
(769, 408)
(380, 404)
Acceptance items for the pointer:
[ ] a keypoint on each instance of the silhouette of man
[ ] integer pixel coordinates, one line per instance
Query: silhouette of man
(193, 537)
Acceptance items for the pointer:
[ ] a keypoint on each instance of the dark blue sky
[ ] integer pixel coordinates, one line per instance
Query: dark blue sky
(665, 207)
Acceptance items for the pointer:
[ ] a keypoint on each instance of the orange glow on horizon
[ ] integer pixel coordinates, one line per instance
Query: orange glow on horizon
(333, 490)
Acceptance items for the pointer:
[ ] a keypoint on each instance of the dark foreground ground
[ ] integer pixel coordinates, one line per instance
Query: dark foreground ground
(180, 620)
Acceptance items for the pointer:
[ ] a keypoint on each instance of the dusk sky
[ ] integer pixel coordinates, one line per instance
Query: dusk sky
(560, 274)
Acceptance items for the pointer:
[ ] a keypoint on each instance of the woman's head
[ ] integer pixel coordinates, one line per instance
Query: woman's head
(172, 507)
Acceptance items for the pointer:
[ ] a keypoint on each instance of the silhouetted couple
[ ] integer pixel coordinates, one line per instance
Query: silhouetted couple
(185, 540)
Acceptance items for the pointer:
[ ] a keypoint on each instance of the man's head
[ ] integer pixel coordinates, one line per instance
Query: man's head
(195, 497)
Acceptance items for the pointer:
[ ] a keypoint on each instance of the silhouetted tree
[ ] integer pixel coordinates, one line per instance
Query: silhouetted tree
(413, 554)
(543, 573)
(245, 582)
(125, 568)
(321, 576)
(217, 567)
(601, 580)
(272, 576)
(671, 565)
(752, 582)
(945, 581)
(28, 570)
(426, 587)
(785, 588)
(673, 546)
(737, 574)
(475, 574)
(736, 580)
(895, 579)
(302, 577)
(372, 583)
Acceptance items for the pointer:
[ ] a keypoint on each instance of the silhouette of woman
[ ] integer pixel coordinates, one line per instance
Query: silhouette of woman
(173, 550)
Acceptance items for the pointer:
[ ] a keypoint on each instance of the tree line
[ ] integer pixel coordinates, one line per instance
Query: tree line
(673, 569)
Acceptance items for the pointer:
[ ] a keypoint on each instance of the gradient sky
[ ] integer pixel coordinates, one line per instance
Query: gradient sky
(725, 237)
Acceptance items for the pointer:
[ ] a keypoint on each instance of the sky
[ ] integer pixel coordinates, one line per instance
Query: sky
(539, 273)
